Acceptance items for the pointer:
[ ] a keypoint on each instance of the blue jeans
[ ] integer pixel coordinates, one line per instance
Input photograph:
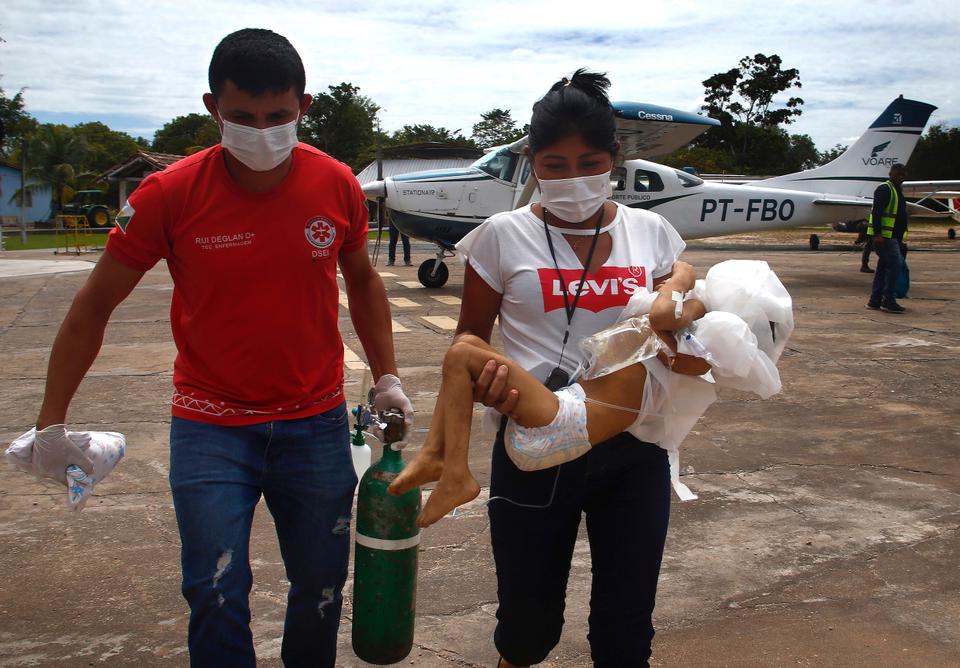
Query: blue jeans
(623, 487)
(304, 471)
(888, 271)
(392, 249)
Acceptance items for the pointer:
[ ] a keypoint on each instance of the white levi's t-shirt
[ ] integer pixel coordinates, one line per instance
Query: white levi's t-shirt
(509, 252)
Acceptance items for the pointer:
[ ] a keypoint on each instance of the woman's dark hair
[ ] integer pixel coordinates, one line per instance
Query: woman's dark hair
(257, 60)
(578, 105)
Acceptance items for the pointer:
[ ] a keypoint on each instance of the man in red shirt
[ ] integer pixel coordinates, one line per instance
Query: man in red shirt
(253, 231)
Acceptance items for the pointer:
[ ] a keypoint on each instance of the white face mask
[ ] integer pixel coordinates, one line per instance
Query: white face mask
(260, 150)
(577, 199)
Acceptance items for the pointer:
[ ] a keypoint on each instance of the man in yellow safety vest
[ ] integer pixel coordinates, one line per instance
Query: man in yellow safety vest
(888, 228)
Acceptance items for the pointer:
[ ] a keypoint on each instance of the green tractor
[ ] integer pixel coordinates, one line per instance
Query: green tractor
(89, 204)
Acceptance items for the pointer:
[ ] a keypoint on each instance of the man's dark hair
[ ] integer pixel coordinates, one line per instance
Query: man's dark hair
(257, 60)
(899, 166)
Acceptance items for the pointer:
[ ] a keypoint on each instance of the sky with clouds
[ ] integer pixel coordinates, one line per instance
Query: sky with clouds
(135, 64)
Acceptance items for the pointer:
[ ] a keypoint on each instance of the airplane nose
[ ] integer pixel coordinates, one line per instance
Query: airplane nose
(374, 189)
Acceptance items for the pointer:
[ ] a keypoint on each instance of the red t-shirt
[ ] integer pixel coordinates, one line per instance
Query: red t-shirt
(255, 299)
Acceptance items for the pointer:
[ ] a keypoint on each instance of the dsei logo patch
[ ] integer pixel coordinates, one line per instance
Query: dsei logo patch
(320, 232)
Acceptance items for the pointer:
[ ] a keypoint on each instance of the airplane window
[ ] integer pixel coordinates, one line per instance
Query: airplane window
(619, 178)
(646, 181)
(525, 173)
(500, 164)
(688, 180)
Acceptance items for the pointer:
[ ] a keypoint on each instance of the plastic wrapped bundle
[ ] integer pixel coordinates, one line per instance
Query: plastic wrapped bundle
(105, 448)
(730, 346)
(750, 289)
(627, 342)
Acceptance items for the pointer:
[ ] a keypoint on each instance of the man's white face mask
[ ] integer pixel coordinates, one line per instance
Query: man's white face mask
(575, 200)
(260, 150)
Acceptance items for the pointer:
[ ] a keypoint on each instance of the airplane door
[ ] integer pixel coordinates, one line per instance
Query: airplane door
(484, 197)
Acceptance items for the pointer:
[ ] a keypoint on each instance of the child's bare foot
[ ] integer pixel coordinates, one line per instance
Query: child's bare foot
(451, 491)
(425, 467)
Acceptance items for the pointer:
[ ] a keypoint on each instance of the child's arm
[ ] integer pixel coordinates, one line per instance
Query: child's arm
(664, 319)
(663, 314)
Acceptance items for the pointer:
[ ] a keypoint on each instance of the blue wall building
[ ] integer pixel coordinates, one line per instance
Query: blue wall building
(37, 204)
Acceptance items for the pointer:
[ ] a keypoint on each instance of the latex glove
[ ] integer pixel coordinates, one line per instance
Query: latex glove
(388, 393)
(53, 452)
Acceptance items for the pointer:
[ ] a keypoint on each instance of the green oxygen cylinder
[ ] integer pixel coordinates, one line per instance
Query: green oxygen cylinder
(385, 557)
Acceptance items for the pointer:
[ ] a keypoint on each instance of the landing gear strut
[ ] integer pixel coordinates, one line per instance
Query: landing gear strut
(434, 273)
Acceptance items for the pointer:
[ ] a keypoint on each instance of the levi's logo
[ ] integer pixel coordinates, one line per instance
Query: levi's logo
(609, 287)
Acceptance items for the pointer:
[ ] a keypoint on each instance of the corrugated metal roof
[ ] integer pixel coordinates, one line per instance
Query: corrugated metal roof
(395, 167)
(135, 164)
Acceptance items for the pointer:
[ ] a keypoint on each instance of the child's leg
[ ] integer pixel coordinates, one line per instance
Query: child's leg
(427, 465)
(470, 353)
(623, 388)
(461, 366)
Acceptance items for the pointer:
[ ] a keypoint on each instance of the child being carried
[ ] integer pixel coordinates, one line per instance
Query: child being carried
(652, 373)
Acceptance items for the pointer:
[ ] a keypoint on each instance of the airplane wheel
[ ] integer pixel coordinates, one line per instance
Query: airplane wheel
(425, 274)
(814, 242)
(951, 233)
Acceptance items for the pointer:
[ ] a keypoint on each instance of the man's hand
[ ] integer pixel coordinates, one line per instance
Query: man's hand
(53, 452)
(878, 240)
(490, 389)
(388, 393)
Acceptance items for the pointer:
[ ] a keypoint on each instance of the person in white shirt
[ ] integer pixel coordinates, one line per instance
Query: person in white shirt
(549, 428)
(555, 272)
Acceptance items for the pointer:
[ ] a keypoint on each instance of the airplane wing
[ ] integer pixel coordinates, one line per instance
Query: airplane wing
(866, 203)
(648, 130)
(834, 201)
(931, 188)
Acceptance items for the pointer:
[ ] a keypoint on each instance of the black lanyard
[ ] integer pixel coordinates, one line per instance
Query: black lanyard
(567, 307)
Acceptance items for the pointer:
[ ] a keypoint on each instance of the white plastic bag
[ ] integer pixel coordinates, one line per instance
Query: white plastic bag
(750, 289)
(105, 448)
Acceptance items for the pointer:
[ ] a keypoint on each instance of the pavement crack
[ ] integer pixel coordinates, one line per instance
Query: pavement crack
(768, 467)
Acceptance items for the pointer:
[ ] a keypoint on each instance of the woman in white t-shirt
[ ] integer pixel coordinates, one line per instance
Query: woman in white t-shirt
(555, 272)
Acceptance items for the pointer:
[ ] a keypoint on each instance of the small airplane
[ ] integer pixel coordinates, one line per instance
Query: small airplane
(443, 206)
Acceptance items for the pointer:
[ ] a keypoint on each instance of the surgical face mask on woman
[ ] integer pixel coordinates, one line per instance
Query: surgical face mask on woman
(260, 150)
(576, 199)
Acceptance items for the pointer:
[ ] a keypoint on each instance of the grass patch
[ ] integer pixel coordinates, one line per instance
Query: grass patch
(49, 240)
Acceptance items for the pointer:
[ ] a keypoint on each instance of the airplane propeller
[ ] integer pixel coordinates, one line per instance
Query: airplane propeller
(381, 194)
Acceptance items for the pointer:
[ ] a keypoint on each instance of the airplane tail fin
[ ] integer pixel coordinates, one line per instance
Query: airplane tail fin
(857, 172)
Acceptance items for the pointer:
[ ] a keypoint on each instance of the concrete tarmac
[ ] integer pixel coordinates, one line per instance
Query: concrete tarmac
(826, 532)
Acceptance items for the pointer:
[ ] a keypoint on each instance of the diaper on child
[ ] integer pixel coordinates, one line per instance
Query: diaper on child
(564, 439)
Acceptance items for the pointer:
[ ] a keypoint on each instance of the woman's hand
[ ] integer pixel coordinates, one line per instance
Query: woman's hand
(490, 389)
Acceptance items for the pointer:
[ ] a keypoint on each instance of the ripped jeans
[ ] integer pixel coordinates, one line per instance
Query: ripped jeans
(304, 471)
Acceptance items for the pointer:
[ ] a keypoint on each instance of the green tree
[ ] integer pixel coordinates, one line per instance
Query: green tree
(104, 147)
(742, 99)
(496, 127)
(415, 134)
(15, 123)
(937, 155)
(831, 154)
(53, 152)
(704, 160)
(341, 123)
(186, 134)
